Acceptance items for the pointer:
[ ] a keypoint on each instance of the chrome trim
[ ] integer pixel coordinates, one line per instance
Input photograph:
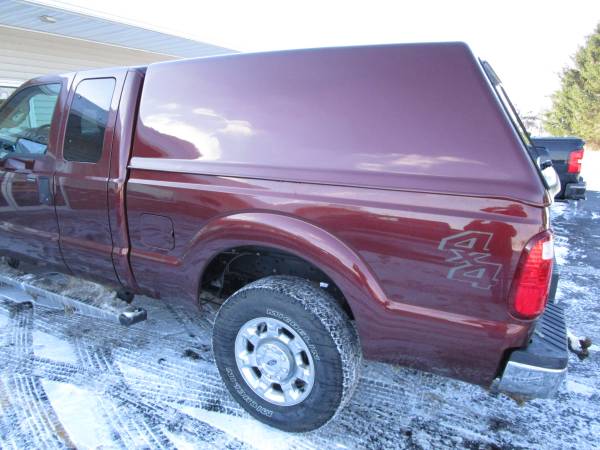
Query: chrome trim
(21, 288)
(529, 381)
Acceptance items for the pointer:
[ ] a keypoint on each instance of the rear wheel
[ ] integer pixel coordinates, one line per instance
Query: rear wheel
(287, 352)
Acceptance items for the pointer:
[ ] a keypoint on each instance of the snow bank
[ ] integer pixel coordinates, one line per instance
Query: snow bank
(591, 170)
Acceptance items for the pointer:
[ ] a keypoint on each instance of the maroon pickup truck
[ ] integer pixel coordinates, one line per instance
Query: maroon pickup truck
(380, 201)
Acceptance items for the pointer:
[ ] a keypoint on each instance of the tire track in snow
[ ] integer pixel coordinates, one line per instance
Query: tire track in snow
(126, 431)
(10, 434)
(100, 369)
(29, 411)
(37, 414)
(167, 365)
(138, 413)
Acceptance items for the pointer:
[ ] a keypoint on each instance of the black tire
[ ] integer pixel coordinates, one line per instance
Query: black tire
(330, 336)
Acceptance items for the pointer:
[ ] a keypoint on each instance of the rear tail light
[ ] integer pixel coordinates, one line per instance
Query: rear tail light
(529, 291)
(574, 164)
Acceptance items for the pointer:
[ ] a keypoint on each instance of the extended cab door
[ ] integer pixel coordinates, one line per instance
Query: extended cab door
(82, 174)
(29, 135)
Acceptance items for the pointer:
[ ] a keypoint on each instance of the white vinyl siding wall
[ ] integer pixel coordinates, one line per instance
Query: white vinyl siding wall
(27, 54)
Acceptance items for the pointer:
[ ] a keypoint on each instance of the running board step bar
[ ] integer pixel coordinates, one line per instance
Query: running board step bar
(22, 289)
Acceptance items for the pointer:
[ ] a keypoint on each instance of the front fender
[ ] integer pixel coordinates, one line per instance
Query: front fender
(296, 236)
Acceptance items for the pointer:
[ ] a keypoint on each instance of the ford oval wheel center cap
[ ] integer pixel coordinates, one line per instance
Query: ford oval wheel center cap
(274, 361)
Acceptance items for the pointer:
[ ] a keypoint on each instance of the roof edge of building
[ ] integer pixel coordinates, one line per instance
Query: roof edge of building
(107, 44)
(86, 12)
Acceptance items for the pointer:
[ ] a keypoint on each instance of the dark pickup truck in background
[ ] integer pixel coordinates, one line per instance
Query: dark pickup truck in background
(566, 154)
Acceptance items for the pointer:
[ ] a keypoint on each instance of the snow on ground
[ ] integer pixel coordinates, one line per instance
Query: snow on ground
(70, 382)
(590, 170)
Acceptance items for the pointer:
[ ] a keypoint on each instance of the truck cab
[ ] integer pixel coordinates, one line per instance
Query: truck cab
(63, 165)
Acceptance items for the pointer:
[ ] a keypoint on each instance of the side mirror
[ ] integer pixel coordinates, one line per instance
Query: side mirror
(544, 162)
(550, 176)
(14, 165)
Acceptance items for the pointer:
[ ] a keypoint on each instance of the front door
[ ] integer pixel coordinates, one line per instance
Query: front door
(28, 141)
(82, 176)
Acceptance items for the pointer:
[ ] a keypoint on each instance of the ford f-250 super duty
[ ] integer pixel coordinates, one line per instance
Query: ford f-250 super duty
(380, 201)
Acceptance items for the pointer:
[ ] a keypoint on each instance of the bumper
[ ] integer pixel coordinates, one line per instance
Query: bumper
(575, 191)
(538, 370)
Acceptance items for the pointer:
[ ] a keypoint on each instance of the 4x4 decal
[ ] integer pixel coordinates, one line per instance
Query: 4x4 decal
(469, 253)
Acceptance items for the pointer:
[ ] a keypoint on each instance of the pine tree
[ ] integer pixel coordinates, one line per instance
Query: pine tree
(576, 105)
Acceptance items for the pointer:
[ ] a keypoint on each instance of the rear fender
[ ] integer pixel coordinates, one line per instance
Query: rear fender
(303, 239)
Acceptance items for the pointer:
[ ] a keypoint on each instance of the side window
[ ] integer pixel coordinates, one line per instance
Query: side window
(87, 120)
(25, 120)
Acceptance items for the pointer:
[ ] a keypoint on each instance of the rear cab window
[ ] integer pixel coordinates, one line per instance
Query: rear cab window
(26, 118)
(88, 116)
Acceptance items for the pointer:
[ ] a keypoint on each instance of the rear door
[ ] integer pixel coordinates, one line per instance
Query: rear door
(29, 135)
(82, 174)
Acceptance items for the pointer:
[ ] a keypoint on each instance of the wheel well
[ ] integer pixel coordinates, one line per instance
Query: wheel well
(234, 268)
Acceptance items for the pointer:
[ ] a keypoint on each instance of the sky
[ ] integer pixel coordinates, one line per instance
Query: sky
(527, 42)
